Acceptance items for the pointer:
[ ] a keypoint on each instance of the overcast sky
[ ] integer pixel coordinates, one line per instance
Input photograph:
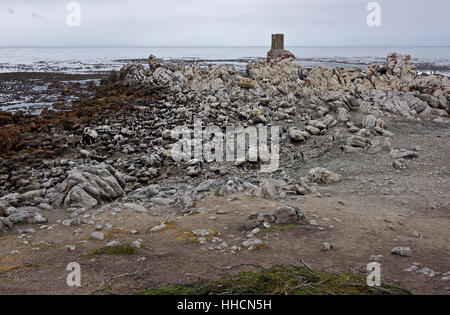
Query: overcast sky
(224, 22)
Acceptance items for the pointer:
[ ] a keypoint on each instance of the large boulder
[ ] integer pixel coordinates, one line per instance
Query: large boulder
(289, 215)
(21, 215)
(89, 186)
(400, 66)
(407, 104)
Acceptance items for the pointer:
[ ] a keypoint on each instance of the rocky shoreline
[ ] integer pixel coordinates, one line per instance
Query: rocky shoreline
(127, 124)
(34, 92)
(112, 149)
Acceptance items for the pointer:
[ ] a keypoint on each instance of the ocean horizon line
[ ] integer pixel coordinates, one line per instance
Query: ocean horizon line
(212, 46)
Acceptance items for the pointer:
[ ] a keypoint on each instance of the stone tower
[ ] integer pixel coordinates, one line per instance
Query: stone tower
(278, 41)
(277, 51)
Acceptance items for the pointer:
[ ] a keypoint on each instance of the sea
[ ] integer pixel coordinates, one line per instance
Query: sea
(33, 94)
(104, 58)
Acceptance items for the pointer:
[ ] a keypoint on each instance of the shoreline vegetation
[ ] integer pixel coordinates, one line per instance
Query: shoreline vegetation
(280, 280)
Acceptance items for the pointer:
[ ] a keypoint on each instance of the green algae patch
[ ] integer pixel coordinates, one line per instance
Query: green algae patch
(119, 250)
(281, 281)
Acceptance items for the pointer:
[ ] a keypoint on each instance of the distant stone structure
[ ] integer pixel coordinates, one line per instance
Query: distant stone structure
(278, 41)
(277, 51)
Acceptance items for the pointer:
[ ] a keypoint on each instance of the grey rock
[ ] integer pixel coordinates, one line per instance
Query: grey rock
(207, 185)
(369, 122)
(5, 225)
(45, 206)
(402, 251)
(98, 236)
(404, 154)
(201, 233)
(89, 186)
(343, 115)
(113, 243)
(158, 227)
(251, 242)
(22, 215)
(39, 219)
(289, 215)
(327, 247)
(298, 135)
(251, 224)
(358, 142)
(162, 201)
(269, 190)
(136, 208)
(137, 243)
(376, 257)
(322, 175)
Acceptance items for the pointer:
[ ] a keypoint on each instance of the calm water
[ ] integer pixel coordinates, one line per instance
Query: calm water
(73, 59)
(94, 59)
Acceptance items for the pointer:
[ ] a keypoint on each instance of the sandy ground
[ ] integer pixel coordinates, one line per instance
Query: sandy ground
(373, 210)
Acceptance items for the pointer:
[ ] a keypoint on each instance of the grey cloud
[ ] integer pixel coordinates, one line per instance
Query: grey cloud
(230, 22)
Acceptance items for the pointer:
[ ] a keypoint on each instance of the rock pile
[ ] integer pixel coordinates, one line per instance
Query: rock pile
(72, 160)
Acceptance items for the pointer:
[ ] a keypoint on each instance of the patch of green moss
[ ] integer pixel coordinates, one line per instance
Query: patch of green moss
(170, 290)
(187, 237)
(280, 281)
(120, 250)
(27, 267)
